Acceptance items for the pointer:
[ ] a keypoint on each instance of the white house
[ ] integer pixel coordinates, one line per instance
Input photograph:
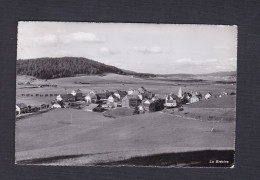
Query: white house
(87, 99)
(58, 98)
(75, 92)
(140, 96)
(170, 101)
(111, 102)
(117, 94)
(141, 108)
(17, 110)
(194, 98)
(130, 92)
(208, 95)
(55, 105)
(147, 104)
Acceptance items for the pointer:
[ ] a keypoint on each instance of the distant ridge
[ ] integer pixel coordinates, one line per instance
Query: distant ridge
(49, 68)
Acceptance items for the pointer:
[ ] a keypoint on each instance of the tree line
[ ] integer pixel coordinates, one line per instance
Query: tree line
(49, 68)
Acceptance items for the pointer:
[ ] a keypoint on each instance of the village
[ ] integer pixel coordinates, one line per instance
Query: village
(140, 100)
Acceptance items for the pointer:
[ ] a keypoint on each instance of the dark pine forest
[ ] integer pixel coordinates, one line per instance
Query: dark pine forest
(49, 68)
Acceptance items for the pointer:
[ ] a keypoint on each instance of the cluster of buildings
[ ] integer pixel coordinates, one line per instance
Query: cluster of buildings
(22, 108)
(139, 98)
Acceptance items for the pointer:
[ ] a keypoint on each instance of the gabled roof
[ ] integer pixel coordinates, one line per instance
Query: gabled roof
(21, 105)
(173, 96)
(122, 93)
(148, 101)
(159, 96)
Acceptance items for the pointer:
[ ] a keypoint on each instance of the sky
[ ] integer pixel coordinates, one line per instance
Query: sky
(145, 48)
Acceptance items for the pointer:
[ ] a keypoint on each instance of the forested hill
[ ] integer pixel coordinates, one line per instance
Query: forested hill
(48, 68)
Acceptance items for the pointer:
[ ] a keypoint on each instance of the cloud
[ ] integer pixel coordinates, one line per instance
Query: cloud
(204, 65)
(48, 39)
(106, 51)
(66, 38)
(154, 49)
(81, 37)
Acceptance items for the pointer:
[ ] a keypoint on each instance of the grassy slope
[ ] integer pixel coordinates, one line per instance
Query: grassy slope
(55, 134)
(223, 102)
(89, 133)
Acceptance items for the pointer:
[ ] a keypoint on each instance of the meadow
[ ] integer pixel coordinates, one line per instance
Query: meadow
(77, 137)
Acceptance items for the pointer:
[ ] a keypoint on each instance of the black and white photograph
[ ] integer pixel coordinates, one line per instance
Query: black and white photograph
(125, 94)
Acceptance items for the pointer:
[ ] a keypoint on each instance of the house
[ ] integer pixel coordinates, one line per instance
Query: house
(91, 107)
(120, 94)
(117, 94)
(93, 96)
(102, 96)
(198, 94)
(180, 94)
(75, 92)
(135, 93)
(140, 96)
(186, 98)
(111, 101)
(78, 95)
(125, 102)
(87, 99)
(130, 92)
(141, 108)
(147, 95)
(17, 110)
(134, 101)
(170, 101)
(141, 90)
(208, 95)
(55, 105)
(158, 96)
(22, 107)
(194, 98)
(66, 98)
(147, 104)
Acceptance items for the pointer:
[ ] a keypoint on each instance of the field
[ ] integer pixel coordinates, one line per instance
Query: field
(77, 137)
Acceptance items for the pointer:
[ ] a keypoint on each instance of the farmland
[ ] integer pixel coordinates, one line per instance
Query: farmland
(76, 137)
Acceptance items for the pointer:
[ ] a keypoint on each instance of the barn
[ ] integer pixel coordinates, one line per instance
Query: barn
(22, 107)
(66, 98)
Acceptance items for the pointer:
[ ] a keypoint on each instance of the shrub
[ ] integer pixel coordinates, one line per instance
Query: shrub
(180, 109)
